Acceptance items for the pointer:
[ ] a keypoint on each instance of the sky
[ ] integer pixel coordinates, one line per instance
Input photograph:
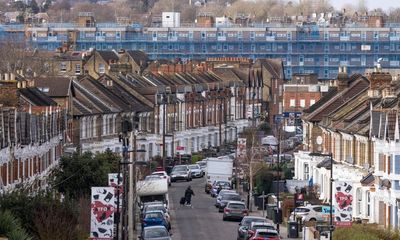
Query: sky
(371, 4)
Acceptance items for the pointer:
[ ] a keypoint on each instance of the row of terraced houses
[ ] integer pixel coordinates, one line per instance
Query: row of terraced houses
(195, 105)
(359, 123)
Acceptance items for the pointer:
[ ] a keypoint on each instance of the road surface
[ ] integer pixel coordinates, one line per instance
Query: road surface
(202, 221)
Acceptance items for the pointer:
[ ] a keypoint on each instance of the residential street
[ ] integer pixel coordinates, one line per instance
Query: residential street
(203, 220)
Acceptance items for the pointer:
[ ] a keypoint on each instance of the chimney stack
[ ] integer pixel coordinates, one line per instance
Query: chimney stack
(342, 78)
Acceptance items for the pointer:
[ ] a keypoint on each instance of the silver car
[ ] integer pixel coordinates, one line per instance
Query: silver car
(155, 232)
(196, 171)
(235, 210)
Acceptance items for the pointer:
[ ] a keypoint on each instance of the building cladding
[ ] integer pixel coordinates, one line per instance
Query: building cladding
(304, 49)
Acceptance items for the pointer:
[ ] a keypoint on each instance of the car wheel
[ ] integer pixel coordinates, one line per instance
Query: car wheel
(312, 220)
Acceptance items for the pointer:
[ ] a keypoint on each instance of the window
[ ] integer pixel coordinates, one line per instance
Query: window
(359, 201)
(368, 204)
(312, 102)
(306, 172)
(292, 103)
(302, 102)
(102, 68)
(397, 164)
(77, 69)
(63, 67)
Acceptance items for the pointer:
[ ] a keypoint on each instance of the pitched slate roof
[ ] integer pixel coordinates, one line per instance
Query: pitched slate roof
(356, 87)
(139, 57)
(84, 100)
(36, 97)
(58, 86)
(108, 97)
(108, 56)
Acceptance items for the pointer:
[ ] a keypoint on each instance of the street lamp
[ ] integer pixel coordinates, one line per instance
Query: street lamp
(329, 155)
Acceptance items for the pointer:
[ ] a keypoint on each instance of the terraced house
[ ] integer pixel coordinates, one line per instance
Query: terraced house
(32, 133)
(358, 121)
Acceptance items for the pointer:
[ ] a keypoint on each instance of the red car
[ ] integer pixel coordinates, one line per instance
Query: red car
(265, 234)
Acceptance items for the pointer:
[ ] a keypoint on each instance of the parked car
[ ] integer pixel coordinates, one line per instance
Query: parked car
(216, 186)
(245, 224)
(235, 210)
(196, 171)
(155, 218)
(227, 198)
(219, 196)
(259, 225)
(158, 207)
(265, 234)
(152, 177)
(155, 233)
(163, 174)
(203, 165)
(308, 213)
(144, 205)
(181, 172)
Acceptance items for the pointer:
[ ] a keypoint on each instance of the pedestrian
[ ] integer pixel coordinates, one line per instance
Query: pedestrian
(188, 196)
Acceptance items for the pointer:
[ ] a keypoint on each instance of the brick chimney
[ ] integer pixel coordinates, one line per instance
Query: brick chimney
(342, 78)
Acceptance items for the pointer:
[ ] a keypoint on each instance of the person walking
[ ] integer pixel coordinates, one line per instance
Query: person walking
(188, 196)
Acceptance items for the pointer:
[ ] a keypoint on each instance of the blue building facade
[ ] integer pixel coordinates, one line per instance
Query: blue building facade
(303, 49)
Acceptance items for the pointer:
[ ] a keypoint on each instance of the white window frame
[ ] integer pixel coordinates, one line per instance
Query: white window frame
(292, 103)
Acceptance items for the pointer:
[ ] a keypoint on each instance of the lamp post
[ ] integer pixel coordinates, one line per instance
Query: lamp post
(329, 155)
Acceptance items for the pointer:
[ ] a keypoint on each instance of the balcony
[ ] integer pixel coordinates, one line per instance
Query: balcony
(221, 38)
(100, 38)
(270, 38)
(344, 38)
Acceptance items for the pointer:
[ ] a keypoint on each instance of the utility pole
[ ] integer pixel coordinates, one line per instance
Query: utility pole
(164, 129)
(132, 181)
(331, 199)
(279, 178)
(220, 125)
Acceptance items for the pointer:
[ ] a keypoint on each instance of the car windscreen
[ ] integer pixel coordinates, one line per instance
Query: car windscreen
(263, 227)
(194, 167)
(179, 168)
(155, 233)
(154, 208)
(248, 221)
(236, 206)
(153, 215)
(202, 164)
(223, 184)
(231, 197)
(267, 234)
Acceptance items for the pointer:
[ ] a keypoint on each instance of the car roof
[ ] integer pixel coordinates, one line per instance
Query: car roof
(261, 224)
(254, 217)
(266, 230)
(164, 172)
(156, 205)
(154, 227)
(236, 202)
(155, 211)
